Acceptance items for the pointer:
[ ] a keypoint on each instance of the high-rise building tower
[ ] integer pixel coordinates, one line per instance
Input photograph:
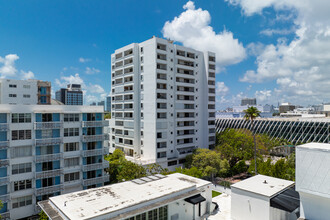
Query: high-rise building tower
(248, 101)
(163, 101)
(72, 95)
(108, 104)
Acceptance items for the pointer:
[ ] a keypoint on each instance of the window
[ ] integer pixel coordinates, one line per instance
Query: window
(161, 154)
(71, 162)
(12, 86)
(70, 132)
(22, 185)
(46, 182)
(26, 86)
(21, 168)
(21, 201)
(21, 118)
(44, 150)
(12, 95)
(71, 117)
(161, 145)
(22, 151)
(47, 117)
(74, 146)
(26, 96)
(71, 177)
(47, 166)
(20, 134)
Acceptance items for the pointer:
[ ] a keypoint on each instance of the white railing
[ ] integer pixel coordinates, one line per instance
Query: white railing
(48, 125)
(48, 157)
(4, 198)
(87, 124)
(4, 162)
(94, 152)
(48, 141)
(96, 180)
(4, 180)
(5, 216)
(48, 190)
(4, 126)
(49, 173)
(92, 138)
(4, 144)
(95, 166)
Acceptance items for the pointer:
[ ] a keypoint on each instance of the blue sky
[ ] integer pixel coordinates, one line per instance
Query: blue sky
(265, 46)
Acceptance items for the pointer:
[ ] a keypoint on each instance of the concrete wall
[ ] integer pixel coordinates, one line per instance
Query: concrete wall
(249, 206)
(314, 207)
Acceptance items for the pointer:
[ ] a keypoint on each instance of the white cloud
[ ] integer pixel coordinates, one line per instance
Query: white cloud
(91, 70)
(27, 75)
(263, 95)
(299, 67)
(65, 80)
(222, 89)
(270, 32)
(192, 28)
(94, 88)
(8, 68)
(84, 60)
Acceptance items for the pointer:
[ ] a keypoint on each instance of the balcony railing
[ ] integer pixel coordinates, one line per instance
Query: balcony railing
(4, 144)
(95, 166)
(4, 198)
(5, 216)
(94, 152)
(4, 180)
(48, 157)
(4, 162)
(92, 138)
(4, 126)
(48, 125)
(87, 124)
(48, 190)
(49, 173)
(96, 180)
(48, 141)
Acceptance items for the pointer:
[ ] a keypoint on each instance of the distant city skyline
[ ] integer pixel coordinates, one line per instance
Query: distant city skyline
(275, 51)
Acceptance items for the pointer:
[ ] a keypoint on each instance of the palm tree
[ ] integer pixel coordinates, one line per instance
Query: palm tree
(250, 114)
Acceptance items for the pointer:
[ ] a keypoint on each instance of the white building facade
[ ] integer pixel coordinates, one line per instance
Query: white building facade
(163, 101)
(48, 150)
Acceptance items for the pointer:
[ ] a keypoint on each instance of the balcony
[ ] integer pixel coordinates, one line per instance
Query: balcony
(48, 157)
(49, 173)
(5, 216)
(48, 125)
(48, 190)
(4, 198)
(4, 180)
(4, 144)
(93, 138)
(4, 162)
(4, 126)
(97, 180)
(48, 141)
(88, 124)
(94, 152)
(95, 166)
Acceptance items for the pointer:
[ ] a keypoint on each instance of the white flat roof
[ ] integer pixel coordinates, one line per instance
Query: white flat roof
(315, 146)
(50, 108)
(91, 203)
(256, 185)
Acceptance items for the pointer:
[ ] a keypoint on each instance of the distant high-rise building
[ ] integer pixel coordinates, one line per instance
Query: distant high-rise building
(72, 95)
(286, 107)
(248, 101)
(108, 104)
(93, 104)
(27, 92)
(163, 103)
(101, 103)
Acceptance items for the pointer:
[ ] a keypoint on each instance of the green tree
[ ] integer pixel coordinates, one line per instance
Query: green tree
(1, 205)
(155, 168)
(43, 216)
(193, 171)
(107, 115)
(250, 114)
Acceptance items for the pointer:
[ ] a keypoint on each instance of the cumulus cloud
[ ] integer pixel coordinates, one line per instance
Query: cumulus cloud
(91, 71)
(92, 92)
(192, 28)
(84, 60)
(8, 68)
(27, 75)
(263, 95)
(222, 89)
(271, 32)
(301, 66)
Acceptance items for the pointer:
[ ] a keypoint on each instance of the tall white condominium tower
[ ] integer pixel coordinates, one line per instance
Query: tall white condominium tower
(163, 101)
(47, 150)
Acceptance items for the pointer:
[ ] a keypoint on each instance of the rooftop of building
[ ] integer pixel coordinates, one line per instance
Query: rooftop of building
(120, 197)
(315, 146)
(297, 119)
(263, 185)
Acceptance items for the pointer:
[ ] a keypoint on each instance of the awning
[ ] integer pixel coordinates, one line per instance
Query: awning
(287, 200)
(195, 199)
